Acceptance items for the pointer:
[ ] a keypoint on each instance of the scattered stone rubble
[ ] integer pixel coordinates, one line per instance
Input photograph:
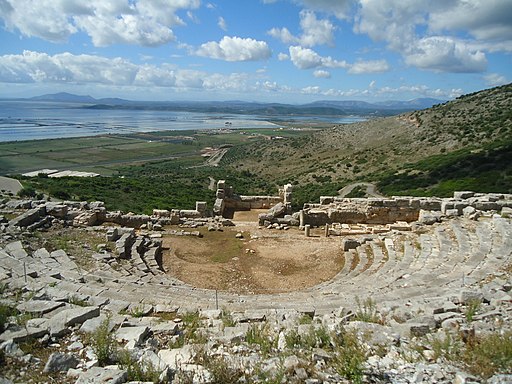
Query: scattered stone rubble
(443, 269)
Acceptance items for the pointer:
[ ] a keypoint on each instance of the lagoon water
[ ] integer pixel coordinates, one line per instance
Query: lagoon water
(30, 120)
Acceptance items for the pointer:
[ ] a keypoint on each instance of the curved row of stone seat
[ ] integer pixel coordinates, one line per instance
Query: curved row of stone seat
(405, 266)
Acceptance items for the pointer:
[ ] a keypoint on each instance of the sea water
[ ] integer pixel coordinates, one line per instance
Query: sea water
(31, 120)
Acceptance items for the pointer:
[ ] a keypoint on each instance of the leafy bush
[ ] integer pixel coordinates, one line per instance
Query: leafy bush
(367, 311)
(489, 354)
(138, 370)
(350, 356)
(5, 312)
(260, 335)
(103, 343)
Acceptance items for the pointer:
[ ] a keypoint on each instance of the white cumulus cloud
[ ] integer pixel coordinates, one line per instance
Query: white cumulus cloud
(495, 79)
(235, 49)
(222, 23)
(339, 8)
(282, 56)
(314, 31)
(107, 22)
(322, 74)
(445, 55)
(306, 58)
(426, 32)
(372, 66)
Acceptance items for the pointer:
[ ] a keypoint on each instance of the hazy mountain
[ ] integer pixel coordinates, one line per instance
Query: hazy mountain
(65, 97)
(322, 107)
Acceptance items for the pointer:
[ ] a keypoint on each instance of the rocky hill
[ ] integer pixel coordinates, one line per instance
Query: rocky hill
(474, 128)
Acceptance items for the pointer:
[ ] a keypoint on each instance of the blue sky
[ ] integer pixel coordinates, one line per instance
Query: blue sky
(290, 51)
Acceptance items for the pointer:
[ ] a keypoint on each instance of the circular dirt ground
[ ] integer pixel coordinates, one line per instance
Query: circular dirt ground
(263, 261)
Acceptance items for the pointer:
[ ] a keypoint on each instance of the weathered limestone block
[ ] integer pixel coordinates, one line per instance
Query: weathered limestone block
(486, 205)
(326, 200)
(87, 218)
(112, 234)
(506, 212)
(56, 210)
(429, 217)
(463, 195)
(316, 217)
(190, 213)
(348, 216)
(430, 204)
(201, 207)
(348, 244)
(161, 213)
(58, 324)
(28, 218)
(19, 204)
(277, 210)
(218, 207)
(97, 375)
(124, 244)
(60, 362)
(129, 220)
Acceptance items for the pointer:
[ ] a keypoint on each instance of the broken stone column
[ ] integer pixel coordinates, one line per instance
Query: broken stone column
(307, 229)
(124, 245)
(201, 207)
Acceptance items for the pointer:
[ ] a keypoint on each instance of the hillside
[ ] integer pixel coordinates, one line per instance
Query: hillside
(465, 144)
(421, 152)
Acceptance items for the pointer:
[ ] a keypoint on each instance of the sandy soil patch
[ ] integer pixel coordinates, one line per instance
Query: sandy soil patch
(263, 261)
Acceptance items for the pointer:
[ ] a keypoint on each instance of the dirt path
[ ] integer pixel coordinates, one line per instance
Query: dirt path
(371, 190)
(263, 261)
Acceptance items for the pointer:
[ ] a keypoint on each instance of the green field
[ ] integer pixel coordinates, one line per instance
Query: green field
(106, 154)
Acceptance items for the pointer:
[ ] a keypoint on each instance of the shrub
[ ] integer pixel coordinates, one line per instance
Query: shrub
(221, 372)
(349, 356)
(367, 311)
(138, 370)
(446, 346)
(471, 310)
(103, 343)
(5, 312)
(227, 319)
(260, 335)
(27, 192)
(490, 354)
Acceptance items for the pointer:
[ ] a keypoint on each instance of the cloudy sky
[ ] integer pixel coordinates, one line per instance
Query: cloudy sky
(256, 50)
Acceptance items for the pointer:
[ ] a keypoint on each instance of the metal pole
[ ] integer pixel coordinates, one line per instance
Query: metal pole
(25, 271)
(216, 299)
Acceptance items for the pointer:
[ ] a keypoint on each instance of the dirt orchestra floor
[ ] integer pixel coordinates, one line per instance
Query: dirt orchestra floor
(262, 261)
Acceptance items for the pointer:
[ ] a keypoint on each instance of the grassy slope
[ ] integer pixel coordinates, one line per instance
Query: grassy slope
(463, 144)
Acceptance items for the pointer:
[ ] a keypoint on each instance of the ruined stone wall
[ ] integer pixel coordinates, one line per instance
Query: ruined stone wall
(227, 199)
(398, 208)
(246, 203)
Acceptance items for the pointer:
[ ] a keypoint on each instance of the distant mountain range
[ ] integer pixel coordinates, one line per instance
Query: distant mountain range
(322, 107)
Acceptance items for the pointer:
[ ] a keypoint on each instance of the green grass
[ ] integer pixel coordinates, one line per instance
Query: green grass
(490, 354)
(261, 336)
(484, 170)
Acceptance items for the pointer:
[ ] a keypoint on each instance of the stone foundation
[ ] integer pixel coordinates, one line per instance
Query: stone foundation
(398, 208)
